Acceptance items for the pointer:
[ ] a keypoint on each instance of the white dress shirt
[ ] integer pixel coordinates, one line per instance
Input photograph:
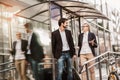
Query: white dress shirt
(19, 54)
(29, 41)
(85, 49)
(65, 46)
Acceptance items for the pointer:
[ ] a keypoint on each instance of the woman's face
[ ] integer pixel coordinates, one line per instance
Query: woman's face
(85, 27)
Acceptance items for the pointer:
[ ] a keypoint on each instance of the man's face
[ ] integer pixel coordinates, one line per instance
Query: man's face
(27, 29)
(65, 24)
(18, 35)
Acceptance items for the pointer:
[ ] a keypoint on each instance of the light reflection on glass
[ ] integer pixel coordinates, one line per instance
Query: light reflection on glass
(44, 37)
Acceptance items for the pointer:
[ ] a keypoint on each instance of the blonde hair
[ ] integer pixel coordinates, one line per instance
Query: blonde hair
(87, 26)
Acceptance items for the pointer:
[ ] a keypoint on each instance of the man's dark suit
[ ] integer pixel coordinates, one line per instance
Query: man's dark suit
(57, 43)
(36, 56)
(36, 48)
(91, 36)
(24, 44)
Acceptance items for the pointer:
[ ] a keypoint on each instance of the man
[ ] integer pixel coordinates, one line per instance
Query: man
(87, 42)
(35, 51)
(63, 48)
(19, 51)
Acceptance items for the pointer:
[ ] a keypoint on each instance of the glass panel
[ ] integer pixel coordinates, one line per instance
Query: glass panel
(44, 39)
(101, 42)
(74, 9)
(87, 10)
(43, 31)
(108, 43)
(74, 27)
(93, 29)
(17, 26)
(10, 25)
(91, 14)
(34, 10)
(4, 27)
(4, 35)
(72, 3)
(55, 10)
(41, 18)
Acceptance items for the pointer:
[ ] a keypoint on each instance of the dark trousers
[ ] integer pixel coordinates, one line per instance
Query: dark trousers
(35, 68)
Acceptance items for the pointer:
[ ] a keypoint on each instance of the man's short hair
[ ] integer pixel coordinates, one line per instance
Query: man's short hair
(28, 25)
(18, 33)
(62, 20)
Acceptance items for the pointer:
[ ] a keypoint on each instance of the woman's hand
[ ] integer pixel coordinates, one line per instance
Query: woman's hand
(92, 42)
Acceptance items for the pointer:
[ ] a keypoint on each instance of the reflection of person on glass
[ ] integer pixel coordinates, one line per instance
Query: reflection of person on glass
(35, 50)
(87, 42)
(63, 48)
(19, 51)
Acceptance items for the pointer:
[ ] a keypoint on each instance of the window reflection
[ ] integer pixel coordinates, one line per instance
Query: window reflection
(107, 38)
(101, 42)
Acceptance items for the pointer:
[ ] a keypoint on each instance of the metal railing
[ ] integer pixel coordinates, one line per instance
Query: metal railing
(52, 62)
(9, 67)
(7, 71)
(105, 57)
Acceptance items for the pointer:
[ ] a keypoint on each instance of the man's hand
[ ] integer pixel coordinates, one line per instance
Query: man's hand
(74, 57)
(10, 51)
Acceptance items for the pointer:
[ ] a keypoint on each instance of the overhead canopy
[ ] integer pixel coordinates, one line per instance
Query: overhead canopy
(40, 11)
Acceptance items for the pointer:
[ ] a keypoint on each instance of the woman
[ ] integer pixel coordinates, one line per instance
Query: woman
(87, 42)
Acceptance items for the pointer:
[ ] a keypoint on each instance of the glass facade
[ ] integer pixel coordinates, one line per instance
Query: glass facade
(4, 34)
(12, 24)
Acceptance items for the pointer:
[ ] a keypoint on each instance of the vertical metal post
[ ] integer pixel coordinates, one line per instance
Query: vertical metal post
(103, 26)
(110, 42)
(53, 63)
(107, 64)
(61, 15)
(107, 13)
(108, 61)
(101, 8)
(98, 37)
(71, 24)
(0, 27)
(87, 72)
(3, 58)
(99, 66)
(115, 59)
(104, 39)
(53, 66)
(79, 19)
(108, 23)
(10, 36)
